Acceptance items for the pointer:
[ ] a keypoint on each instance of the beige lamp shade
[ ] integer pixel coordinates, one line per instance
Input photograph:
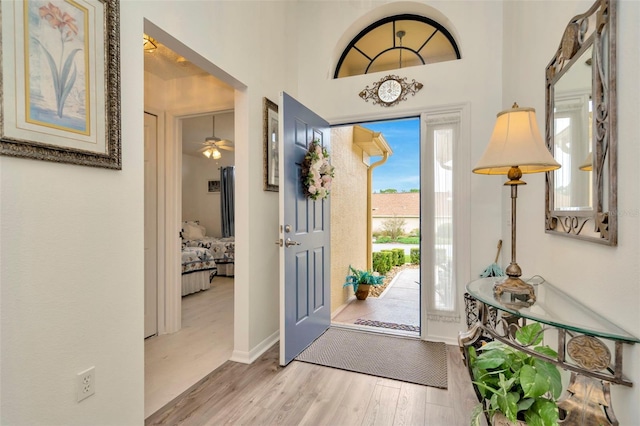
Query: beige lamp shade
(516, 141)
(587, 166)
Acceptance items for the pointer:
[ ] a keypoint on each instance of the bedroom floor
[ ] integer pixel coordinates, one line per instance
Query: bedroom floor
(175, 362)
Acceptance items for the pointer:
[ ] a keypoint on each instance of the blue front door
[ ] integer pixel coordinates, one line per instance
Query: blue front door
(305, 310)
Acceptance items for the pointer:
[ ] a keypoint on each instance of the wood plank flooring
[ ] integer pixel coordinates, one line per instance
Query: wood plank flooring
(264, 393)
(174, 362)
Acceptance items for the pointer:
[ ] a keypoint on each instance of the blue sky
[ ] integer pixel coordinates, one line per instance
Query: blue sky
(402, 169)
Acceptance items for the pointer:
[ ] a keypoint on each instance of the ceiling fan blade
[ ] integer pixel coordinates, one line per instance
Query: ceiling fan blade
(226, 147)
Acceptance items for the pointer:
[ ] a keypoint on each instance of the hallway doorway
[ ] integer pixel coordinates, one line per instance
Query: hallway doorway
(195, 331)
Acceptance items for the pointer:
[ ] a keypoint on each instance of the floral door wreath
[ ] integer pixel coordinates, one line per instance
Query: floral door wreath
(317, 172)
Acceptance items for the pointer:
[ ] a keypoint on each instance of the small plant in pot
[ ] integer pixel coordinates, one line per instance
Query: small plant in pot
(514, 385)
(362, 281)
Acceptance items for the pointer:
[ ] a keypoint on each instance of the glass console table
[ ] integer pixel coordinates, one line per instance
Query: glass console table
(585, 341)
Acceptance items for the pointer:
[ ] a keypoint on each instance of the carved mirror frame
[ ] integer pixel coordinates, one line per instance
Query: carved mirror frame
(595, 28)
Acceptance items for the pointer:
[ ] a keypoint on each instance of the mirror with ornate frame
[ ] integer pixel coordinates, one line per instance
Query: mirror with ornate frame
(581, 124)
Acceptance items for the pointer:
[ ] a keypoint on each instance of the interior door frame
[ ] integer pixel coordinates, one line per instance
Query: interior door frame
(172, 303)
(161, 234)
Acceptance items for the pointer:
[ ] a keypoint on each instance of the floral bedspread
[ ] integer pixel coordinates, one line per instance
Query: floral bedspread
(196, 259)
(222, 249)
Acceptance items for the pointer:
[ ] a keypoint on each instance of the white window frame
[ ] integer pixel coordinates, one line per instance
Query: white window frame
(455, 117)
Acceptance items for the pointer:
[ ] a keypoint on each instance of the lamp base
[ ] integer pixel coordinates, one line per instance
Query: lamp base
(522, 293)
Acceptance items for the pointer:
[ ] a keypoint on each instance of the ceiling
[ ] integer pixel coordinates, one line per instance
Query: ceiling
(196, 129)
(167, 65)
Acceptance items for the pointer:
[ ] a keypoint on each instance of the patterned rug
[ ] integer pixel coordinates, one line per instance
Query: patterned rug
(391, 325)
(400, 358)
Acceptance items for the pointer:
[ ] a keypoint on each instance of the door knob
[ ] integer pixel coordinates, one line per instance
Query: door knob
(289, 242)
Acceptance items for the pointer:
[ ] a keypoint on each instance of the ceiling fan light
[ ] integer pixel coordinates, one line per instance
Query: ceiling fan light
(207, 153)
(215, 154)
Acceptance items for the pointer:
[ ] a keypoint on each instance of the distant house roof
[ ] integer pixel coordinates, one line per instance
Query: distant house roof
(401, 204)
(407, 204)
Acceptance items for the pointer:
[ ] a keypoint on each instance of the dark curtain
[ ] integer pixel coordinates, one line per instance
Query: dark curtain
(227, 204)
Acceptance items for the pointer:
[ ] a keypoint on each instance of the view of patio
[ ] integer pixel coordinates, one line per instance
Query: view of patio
(396, 310)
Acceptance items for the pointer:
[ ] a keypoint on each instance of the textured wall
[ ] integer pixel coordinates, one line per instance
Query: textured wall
(348, 212)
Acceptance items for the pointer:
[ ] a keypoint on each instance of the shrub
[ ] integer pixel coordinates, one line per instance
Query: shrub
(399, 256)
(383, 240)
(393, 259)
(382, 262)
(415, 255)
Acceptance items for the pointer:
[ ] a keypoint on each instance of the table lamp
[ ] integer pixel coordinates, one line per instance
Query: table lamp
(515, 148)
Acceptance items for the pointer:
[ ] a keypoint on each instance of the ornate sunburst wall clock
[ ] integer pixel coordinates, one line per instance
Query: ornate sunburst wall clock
(390, 90)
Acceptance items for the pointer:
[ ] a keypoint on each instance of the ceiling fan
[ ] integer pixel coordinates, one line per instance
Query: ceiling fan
(213, 144)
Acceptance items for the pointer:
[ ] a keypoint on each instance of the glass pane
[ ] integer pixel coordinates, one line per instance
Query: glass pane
(355, 63)
(391, 60)
(439, 49)
(553, 307)
(444, 287)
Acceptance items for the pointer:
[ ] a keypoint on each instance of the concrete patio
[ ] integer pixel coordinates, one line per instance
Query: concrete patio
(398, 304)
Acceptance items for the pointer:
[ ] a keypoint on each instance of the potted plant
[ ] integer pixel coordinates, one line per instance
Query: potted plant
(516, 385)
(362, 281)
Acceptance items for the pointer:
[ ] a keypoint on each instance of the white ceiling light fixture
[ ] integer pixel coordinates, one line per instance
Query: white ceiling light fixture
(212, 144)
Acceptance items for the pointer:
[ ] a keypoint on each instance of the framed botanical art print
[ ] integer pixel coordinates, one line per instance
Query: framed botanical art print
(60, 81)
(270, 143)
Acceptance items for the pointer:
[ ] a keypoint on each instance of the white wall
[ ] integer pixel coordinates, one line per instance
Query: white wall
(72, 237)
(603, 278)
(197, 202)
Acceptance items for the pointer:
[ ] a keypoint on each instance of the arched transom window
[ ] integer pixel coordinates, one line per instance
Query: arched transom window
(397, 42)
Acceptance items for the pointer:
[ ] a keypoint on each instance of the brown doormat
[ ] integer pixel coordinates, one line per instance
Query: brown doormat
(399, 358)
(389, 325)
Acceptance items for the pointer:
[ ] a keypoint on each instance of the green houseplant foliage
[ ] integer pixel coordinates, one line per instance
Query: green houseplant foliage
(518, 385)
(359, 276)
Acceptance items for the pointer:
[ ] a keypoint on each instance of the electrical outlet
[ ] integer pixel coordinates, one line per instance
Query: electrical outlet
(86, 383)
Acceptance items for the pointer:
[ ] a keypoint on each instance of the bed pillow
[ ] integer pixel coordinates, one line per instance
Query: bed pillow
(192, 231)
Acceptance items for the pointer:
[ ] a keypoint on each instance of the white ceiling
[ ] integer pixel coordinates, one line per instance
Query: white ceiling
(167, 65)
(196, 129)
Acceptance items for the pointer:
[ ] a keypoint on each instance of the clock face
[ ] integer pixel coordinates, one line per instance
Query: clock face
(389, 90)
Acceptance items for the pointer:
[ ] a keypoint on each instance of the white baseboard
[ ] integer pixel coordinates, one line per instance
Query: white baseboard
(444, 339)
(245, 357)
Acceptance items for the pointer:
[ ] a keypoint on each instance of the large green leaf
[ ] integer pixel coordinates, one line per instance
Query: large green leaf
(508, 405)
(493, 345)
(530, 334)
(490, 359)
(546, 410)
(546, 350)
(533, 383)
(476, 415)
(552, 374)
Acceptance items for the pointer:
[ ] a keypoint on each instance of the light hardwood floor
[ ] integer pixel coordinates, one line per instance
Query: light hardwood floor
(175, 362)
(264, 393)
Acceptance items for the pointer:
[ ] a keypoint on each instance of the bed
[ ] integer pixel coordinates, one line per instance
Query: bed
(222, 249)
(198, 269)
